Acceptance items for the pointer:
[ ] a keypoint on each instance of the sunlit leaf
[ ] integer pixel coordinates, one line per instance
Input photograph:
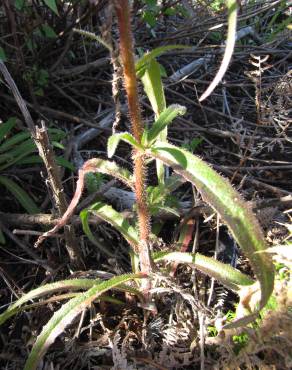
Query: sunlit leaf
(219, 193)
(147, 57)
(114, 218)
(166, 117)
(226, 274)
(114, 140)
(153, 87)
(69, 284)
(112, 169)
(67, 313)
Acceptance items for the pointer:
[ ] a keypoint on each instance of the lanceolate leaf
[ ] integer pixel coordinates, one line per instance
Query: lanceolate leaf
(112, 169)
(108, 214)
(114, 140)
(52, 5)
(84, 215)
(70, 284)
(230, 42)
(219, 193)
(23, 198)
(17, 153)
(226, 274)
(6, 127)
(153, 87)
(147, 57)
(54, 134)
(166, 117)
(67, 313)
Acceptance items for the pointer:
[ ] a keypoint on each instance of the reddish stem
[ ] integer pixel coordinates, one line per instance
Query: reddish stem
(130, 80)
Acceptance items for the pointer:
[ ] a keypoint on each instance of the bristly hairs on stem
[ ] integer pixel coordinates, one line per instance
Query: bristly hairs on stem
(140, 172)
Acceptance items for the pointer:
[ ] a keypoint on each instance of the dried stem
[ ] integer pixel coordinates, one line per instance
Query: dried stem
(46, 153)
(130, 80)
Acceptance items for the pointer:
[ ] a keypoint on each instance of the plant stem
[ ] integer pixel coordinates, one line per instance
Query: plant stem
(140, 171)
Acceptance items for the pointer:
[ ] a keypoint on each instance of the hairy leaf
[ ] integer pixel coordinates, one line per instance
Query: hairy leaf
(147, 57)
(165, 118)
(153, 87)
(112, 169)
(70, 284)
(226, 274)
(219, 193)
(67, 313)
(114, 140)
(114, 218)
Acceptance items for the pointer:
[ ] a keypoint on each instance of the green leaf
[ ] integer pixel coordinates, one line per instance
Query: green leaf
(114, 218)
(153, 87)
(23, 198)
(114, 140)
(111, 169)
(67, 313)
(94, 37)
(52, 5)
(219, 193)
(84, 215)
(149, 17)
(147, 57)
(19, 4)
(15, 139)
(2, 55)
(69, 284)
(170, 11)
(6, 127)
(93, 181)
(226, 274)
(35, 159)
(17, 153)
(48, 31)
(166, 117)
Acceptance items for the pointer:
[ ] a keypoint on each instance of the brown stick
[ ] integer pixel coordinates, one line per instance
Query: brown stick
(41, 140)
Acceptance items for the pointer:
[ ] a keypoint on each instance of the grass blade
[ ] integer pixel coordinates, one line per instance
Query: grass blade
(23, 198)
(6, 127)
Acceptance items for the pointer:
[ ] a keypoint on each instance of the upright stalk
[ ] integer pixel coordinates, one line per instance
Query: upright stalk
(127, 56)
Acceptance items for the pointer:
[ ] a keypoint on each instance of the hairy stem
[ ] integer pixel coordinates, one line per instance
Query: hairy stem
(130, 80)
